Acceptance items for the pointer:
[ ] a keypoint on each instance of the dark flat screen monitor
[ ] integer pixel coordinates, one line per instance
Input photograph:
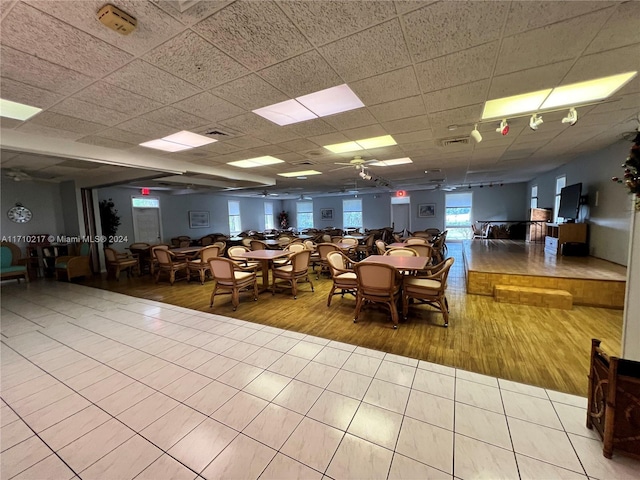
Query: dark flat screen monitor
(570, 201)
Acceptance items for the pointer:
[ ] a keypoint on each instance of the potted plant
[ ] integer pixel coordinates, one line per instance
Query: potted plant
(109, 220)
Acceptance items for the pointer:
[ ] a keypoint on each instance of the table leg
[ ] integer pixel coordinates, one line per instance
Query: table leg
(265, 275)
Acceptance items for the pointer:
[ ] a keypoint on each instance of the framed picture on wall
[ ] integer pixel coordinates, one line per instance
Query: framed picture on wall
(198, 219)
(427, 210)
(326, 214)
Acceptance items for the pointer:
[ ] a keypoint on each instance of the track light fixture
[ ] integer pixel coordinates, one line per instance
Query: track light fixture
(503, 128)
(475, 134)
(364, 175)
(572, 117)
(535, 122)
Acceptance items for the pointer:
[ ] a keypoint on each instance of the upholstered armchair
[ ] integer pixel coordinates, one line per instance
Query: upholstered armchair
(75, 266)
(429, 289)
(200, 264)
(169, 264)
(231, 279)
(11, 263)
(378, 283)
(116, 262)
(297, 269)
(342, 274)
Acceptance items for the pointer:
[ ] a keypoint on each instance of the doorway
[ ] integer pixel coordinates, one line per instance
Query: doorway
(147, 227)
(400, 214)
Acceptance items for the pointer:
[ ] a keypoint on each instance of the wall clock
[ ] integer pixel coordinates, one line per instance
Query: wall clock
(19, 214)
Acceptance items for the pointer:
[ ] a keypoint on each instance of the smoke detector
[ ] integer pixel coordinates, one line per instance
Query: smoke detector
(117, 20)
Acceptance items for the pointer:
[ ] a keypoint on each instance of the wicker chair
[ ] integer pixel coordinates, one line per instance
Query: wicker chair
(258, 245)
(297, 269)
(343, 276)
(381, 247)
(117, 262)
(73, 266)
(429, 289)
(11, 263)
(365, 248)
(167, 263)
(378, 283)
(323, 249)
(200, 264)
(231, 279)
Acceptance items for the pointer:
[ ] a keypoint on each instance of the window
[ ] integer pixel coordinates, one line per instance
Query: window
(560, 184)
(352, 213)
(304, 215)
(145, 202)
(534, 196)
(268, 216)
(234, 218)
(457, 216)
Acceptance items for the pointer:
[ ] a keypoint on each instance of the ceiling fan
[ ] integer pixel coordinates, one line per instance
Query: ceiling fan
(17, 175)
(357, 162)
(266, 193)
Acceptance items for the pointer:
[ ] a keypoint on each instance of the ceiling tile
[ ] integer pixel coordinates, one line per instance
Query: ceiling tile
(250, 92)
(192, 58)
(276, 135)
(404, 6)
(604, 64)
(86, 111)
(351, 119)
(249, 123)
(299, 145)
(389, 86)
(407, 107)
(154, 25)
(22, 93)
(151, 82)
(64, 122)
(45, 131)
(126, 136)
(414, 137)
(246, 141)
(530, 80)
(9, 122)
(310, 128)
(175, 118)
(329, 139)
(39, 73)
(460, 116)
(101, 93)
(411, 124)
(432, 31)
(326, 21)
(361, 133)
(146, 128)
(105, 142)
(457, 68)
(301, 75)
(193, 14)
(621, 29)
(206, 105)
(257, 34)
(368, 53)
(550, 44)
(455, 97)
(59, 43)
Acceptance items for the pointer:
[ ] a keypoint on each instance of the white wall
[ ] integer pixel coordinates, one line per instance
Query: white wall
(609, 220)
(44, 201)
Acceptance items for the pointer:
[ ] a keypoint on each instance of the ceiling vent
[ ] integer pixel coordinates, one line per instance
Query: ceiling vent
(218, 133)
(306, 161)
(117, 20)
(452, 142)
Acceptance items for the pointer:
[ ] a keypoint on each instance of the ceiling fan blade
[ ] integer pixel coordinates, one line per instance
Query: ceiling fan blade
(340, 168)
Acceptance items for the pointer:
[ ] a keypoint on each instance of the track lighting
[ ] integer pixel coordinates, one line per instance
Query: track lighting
(535, 122)
(503, 128)
(572, 117)
(475, 134)
(364, 175)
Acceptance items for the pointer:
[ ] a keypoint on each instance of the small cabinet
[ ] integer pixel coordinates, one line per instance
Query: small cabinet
(557, 234)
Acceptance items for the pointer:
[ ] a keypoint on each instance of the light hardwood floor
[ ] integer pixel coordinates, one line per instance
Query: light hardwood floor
(539, 346)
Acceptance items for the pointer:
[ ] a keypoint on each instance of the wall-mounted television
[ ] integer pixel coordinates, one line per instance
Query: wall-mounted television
(570, 201)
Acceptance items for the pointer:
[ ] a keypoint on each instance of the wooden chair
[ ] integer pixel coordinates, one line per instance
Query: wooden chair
(614, 402)
(143, 252)
(429, 289)
(381, 247)
(11, 263)
(297, 269)
(258, 245)
(169, 264)
(401, 251)
(342, 274)
(378, 283)
(416, 240)
(117, 262)
(364, 249)
(200, 263)
(222, 246)
(323, 249)
(231, 279)
(439, 247)
(73, 266)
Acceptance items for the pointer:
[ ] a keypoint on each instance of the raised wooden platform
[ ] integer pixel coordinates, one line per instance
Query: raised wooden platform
(537, 297)
(591, 281)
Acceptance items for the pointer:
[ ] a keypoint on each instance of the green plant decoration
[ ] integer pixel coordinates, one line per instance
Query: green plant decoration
(109, 220)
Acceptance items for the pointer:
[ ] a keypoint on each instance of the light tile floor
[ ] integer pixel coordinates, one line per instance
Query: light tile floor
(100, 385)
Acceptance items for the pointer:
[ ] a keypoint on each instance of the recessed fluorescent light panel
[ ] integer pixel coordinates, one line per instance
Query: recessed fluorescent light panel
(179, 141)
(589, 91)
(17, 111)
(374, 142)
(300, 174)
(256, 162)
(319, 104)
(509, 106)
(390, 163)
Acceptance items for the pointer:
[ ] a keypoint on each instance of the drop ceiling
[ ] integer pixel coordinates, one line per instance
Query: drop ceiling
(421, 68)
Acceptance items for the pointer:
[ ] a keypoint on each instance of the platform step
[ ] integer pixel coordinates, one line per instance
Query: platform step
(538, 297)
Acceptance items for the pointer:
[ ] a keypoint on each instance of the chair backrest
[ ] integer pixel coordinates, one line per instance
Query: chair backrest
(350, 241)
(209, 252)
(369, 240)
(326, 238)
(402, 252)
(9, 254)
(247, 241)
(423, 250)
(300, 261)
(221, 247)
(184, 243)
(207, 240)
(336, 239)
(416, 240)
(337, 261)
(438, 244)
(309, 245)
(376, 278)
(295, 247)
(258, 245)
(284, 241)
(325, 248)
(110, 254)
(433, 231)
(443, 273)
(222, 268)
(163, 256)
(139, 246)
(381, 247)
(234, 251)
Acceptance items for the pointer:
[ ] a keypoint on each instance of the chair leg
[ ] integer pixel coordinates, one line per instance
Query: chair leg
(405, 306)
(118, 273)
(255, 290)
(394, 312)
(294, 288)
(201, 277)
(309, 280)
(358, 307)
(235, 298)
(333, 289)
(213, 294)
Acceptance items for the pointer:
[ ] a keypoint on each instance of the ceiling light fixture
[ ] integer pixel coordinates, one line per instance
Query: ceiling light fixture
(509, 106)
(366, 143)
(390, 163)
(503, 128)
(364, 175)
(301, 173)
(475, 134)
(256, 162)
(535, 121)
(572, 117)
(17, 111)
(179, 141)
